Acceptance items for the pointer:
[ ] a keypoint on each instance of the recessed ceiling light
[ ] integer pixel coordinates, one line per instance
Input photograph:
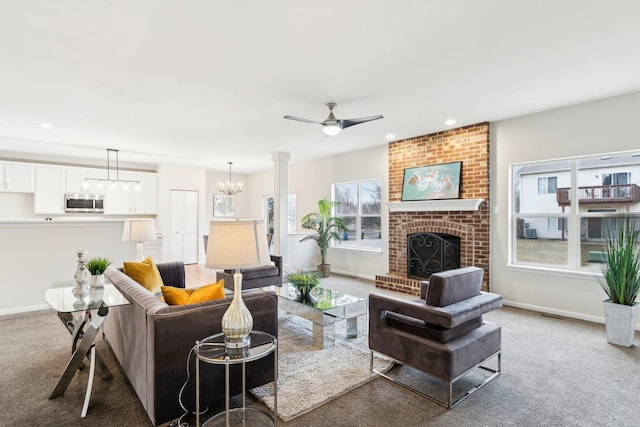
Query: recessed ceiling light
(46, 125)
(390, 136)
(450, 122)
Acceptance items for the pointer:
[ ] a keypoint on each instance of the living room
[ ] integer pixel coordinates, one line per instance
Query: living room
(599, 121)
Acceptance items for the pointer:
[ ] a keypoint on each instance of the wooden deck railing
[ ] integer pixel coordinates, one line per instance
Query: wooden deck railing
(624, 193)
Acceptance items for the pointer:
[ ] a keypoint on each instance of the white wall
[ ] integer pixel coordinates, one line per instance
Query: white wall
(311, 181)
(591, 128)
(35, 256)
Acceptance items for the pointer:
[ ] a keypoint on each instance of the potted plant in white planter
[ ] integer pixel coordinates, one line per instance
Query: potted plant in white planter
(621, 281)
(97, 267)
(327, 228)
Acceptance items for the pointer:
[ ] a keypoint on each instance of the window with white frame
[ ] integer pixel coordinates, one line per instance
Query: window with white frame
(547, 185)
(291, 213)
(360, 207)
(562, 208)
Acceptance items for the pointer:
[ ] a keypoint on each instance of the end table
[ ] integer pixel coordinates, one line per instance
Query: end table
(78, 312)
(212, 350)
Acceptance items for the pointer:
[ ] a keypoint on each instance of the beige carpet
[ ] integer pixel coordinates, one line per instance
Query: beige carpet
(309, 376)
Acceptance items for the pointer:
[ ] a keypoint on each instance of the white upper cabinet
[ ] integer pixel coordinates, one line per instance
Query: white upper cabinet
(129, 198)
(85, 180)
(49, 190)
(145, 199)
(17, 177)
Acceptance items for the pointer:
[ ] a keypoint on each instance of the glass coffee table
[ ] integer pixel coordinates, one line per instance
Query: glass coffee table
(330, 307)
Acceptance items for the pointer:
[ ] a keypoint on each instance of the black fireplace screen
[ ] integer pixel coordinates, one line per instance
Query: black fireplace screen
(428, 253)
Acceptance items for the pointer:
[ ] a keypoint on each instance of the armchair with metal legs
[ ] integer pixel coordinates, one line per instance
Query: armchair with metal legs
(442, 334)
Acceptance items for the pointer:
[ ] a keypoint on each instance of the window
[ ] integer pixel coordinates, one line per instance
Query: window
(360, 207)
(555, 224)
(547, 185)
(291, 214)
(562, 209)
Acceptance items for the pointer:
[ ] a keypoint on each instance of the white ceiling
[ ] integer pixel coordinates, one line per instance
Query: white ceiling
(204, 82)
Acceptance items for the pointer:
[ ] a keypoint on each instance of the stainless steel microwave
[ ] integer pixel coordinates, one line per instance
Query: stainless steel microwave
(75, 202)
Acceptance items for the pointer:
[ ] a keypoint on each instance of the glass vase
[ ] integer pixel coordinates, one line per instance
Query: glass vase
(237, 321)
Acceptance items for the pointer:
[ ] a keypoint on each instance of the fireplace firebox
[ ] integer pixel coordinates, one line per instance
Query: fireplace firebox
(429, 253)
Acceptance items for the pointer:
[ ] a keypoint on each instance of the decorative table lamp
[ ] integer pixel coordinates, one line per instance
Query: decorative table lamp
(139, 230)
(237, 244)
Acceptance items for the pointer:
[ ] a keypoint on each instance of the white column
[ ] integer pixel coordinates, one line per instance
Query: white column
(280, 203)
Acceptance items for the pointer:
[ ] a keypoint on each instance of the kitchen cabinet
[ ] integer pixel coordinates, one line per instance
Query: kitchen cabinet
(127, 198)
(49, 190)
(76, 180)
(17, 177)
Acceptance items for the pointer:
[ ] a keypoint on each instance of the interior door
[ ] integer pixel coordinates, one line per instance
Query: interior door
(183, 237)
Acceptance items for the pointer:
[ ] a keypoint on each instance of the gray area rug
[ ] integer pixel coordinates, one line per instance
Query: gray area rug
(309, 376)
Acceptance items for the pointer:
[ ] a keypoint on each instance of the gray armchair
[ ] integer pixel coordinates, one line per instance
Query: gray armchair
(441, 334)
(258, 277)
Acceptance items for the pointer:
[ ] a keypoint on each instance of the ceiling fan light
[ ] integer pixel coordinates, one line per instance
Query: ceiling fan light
(331, 129)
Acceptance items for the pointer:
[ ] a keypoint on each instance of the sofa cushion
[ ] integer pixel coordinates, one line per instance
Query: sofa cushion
(437, 333)
(258, 272)
(180, 296)
(452, 286)
(146, 274)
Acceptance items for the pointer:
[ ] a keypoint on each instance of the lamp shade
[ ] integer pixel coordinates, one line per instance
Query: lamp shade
(237, 244)
(139, 230)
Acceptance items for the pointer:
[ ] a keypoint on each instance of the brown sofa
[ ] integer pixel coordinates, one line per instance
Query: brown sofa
(152, 341)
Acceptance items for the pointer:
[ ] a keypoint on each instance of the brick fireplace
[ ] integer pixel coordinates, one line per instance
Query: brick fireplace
(466, 218)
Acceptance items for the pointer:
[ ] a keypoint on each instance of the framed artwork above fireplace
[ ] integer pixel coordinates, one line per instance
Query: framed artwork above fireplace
(434, 182)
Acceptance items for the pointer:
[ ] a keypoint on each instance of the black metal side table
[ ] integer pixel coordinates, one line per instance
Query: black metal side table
(212, 350)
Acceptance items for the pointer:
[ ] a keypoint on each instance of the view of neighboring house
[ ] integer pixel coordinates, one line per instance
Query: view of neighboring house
(606, 185)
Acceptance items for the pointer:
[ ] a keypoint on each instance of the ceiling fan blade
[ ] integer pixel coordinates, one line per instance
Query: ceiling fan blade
(300, 119)
(350, 122)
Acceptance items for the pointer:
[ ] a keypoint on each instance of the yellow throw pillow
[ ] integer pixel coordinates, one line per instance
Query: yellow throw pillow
(146, 274)
(180, 296)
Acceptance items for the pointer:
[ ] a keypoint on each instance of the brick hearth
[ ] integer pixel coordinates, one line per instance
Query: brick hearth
(470, 145)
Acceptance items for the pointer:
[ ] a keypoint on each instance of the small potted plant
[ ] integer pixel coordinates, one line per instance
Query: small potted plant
(327, 228)
(97, 267)
(621, 280)
(304, 283)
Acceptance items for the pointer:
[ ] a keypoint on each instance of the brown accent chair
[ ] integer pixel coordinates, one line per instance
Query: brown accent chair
(442, 333)
(258, 277)
(152, 342)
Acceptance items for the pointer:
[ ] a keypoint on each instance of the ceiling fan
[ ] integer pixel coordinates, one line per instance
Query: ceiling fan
(332, 126)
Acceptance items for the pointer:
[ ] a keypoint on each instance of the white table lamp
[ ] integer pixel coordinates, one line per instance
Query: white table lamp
(139, 230)
(235, 245)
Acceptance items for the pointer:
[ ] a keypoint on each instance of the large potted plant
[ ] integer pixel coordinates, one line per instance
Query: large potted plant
(621, 280)
(327, 228)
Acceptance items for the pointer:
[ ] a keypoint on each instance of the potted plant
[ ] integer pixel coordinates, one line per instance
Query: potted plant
(327, 228)
(304, 282)
(621, 280)
(97, 267)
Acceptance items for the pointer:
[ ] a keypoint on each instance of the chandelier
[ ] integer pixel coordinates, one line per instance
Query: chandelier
(116, 176)
(230, 188)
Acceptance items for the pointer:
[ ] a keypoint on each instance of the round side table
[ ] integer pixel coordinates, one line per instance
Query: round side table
(212, 350)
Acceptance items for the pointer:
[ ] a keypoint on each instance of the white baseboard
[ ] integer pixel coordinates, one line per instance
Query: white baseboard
(23, 309)
(555, 312)
(350, 274)
(595, 319)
